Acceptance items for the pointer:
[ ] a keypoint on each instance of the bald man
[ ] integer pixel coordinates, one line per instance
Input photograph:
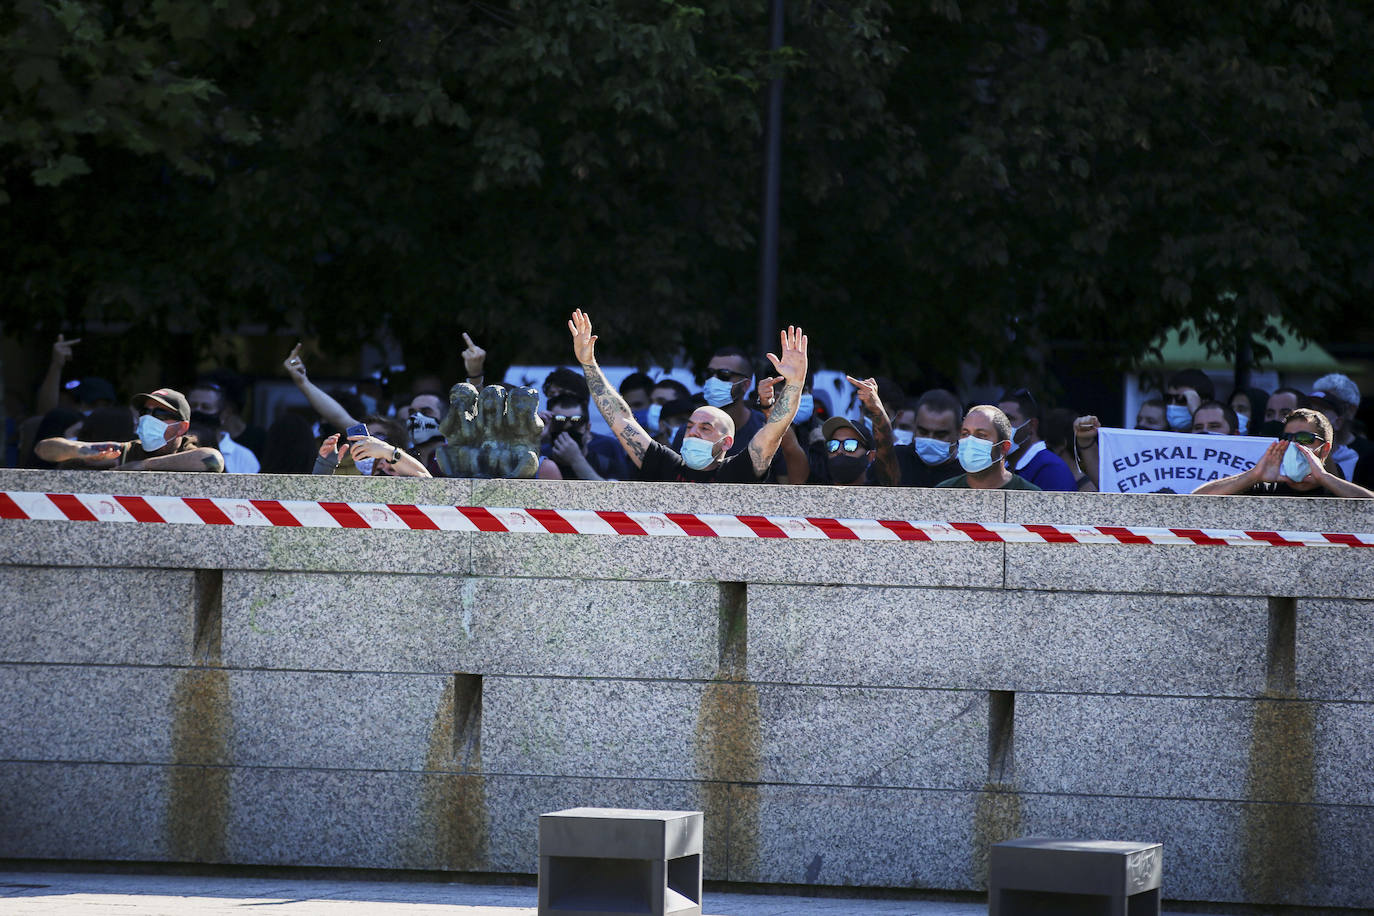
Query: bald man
(710, 431)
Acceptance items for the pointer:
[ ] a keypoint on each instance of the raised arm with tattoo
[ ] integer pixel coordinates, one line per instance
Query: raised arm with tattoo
(885, 466)
(791, 365)
(613, 408)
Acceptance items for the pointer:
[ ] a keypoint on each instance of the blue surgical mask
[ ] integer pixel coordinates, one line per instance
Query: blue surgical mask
(697, 453)
(1295, 466)
(718, 393)
(1242, 424)
(976, 454)
(903, 437)
(152, 432)
(932, 451)
(364, 466)
(806, 406)
(652, 416)
(1178, 416)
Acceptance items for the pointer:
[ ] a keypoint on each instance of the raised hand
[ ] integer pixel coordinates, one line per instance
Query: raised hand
(331, 445)
(768, 390)
(474, 358)
(1267, 468)
(295, 366)
(1085, 431)
(868, 394)
(584, 341)
(792, 364)
(62, 350)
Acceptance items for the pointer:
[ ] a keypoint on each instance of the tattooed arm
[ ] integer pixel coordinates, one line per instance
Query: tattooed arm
(792, 367)
(196, 459)
(613, 408)
(885, 467)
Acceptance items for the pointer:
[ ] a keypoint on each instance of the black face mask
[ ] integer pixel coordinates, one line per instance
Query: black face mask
(844, 468)
(1270, 429)
(204, 419)
(578, 432)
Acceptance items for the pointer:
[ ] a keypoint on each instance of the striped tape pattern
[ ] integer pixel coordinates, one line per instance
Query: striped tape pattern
(179, 510)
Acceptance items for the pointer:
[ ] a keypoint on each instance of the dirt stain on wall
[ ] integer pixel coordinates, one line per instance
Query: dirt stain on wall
(1279, 831)
(198, 780)
(452, 833)
(729, 744)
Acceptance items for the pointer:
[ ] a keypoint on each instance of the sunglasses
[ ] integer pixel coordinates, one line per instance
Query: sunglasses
(850, 446)
(1302, 437)
(159, 413)
(1180, 400)
(725, 375)
(559, 418)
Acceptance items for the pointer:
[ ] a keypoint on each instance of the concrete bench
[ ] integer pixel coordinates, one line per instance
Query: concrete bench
(618, 861)
(1073, 877)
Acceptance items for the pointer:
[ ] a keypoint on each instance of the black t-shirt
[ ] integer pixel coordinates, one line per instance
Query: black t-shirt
(662, 463)
(1283, 489)
(916, 473)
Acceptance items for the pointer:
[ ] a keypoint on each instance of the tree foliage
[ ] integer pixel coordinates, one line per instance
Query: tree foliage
(962, 180)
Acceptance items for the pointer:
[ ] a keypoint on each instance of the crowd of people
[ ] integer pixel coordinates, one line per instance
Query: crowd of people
(749, 423)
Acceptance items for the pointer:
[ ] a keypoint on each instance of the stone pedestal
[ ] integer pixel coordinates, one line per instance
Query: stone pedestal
(605, 861)
(1067, 877)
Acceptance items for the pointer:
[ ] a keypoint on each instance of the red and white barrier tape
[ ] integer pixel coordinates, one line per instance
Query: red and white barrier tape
(185, 510)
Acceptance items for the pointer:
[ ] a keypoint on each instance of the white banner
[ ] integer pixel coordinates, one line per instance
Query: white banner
(1142, 461)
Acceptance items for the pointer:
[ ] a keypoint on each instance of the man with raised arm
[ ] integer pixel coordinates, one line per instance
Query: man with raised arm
(710, 431)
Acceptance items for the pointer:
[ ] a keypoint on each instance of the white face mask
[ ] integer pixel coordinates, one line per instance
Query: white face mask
(152, 432)
(718, 393)
(1295, 466)
(903, 437)
(697, 453)
(977, 454)
(422, 428)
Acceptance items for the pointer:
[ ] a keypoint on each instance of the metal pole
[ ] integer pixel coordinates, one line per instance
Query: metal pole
(768, 249)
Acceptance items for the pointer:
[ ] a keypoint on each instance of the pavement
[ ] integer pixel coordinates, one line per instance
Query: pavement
(89, 894)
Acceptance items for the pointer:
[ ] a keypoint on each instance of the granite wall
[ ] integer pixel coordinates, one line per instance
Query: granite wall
(845, 713)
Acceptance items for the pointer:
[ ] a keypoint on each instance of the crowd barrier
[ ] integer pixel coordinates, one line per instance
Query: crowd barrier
(383, 673)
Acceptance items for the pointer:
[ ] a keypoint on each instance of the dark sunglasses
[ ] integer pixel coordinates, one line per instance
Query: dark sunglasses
(558, 417)
(1180, 400)
(725, 375)
(850, 446)
(159, 413)
(1302, 437)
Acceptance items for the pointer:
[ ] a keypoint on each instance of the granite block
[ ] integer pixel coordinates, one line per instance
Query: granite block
(1163, 510)
(1192, 570)
(1335, 649)
(1159, 747)
(485, 626)
(82, 713)
(1168, 747)
(853, 836)
(345, 488)
(341, 720)
(733, 732)
(96, 616)
(1007, 640)
(1229, 852)
(768, 560)
(82, 811)
(909, 503)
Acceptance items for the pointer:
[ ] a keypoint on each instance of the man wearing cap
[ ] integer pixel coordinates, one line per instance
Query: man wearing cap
(162, 445)
(853, 456)
(1338, 397)
(984, 441)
